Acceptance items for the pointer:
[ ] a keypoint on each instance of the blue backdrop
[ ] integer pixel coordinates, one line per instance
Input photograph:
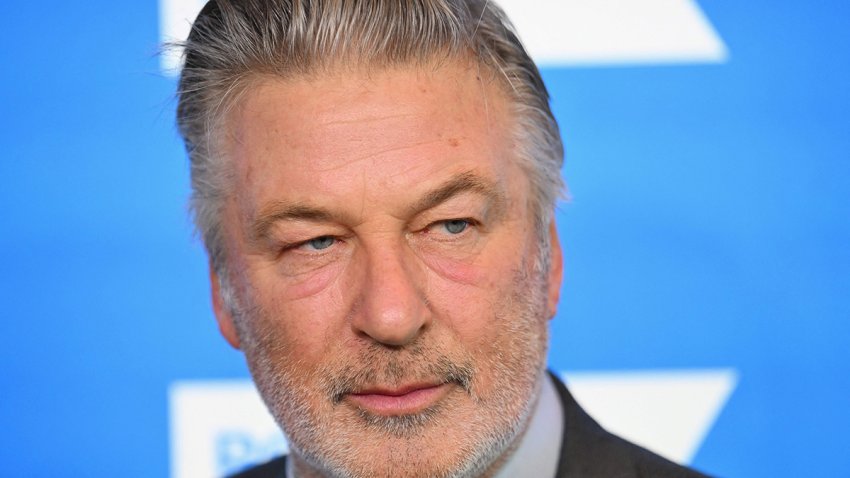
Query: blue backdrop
(710, 227)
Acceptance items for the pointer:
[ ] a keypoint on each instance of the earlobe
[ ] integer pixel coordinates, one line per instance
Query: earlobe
(222, 312)
(556, 270)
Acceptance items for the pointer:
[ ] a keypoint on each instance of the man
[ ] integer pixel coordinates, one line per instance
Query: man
(374, 181)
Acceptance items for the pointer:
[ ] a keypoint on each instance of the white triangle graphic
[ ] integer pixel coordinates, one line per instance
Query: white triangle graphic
(615, 32)
(668, 412)
(175, 22)
(561, 32)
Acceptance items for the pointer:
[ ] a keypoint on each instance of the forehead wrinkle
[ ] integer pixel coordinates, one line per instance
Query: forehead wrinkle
(371, 119)
(374, 154)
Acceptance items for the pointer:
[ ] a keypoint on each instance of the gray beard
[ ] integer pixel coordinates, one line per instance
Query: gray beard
(520, 369)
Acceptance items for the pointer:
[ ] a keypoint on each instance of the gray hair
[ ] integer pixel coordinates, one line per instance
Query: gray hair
(232, 42)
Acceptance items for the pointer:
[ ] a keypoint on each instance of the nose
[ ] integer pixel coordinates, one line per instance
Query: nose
(393, 307)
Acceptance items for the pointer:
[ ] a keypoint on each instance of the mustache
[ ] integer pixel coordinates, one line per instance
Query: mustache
(391, 370)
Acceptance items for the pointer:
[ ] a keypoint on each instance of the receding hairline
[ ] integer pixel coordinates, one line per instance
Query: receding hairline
(224, 134)
(251, 81)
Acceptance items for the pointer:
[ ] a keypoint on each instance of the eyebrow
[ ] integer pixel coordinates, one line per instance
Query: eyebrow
(286, 211)
(467, 182)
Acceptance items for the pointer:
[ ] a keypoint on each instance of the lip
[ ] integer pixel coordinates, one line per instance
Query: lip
(405, 400)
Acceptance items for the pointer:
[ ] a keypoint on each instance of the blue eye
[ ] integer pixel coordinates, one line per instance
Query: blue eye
(456, 226)
(320, 243)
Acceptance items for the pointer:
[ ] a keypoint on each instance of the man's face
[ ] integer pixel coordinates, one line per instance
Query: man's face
(381, 255)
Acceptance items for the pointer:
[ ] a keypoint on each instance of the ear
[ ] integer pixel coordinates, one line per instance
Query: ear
(556, 270)
(222, 311)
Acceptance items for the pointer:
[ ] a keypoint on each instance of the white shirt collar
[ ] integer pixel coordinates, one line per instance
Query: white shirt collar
(540, 449)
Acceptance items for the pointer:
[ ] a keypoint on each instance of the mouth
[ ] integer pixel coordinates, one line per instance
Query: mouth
(406, 400)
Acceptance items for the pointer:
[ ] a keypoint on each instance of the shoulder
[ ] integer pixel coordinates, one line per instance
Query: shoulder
(272, 469)
(589, 451)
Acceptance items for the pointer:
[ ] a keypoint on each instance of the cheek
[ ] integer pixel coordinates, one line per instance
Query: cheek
(300, 319)
(296, 275)
(483, 266)
(315, 285)
(470, 296)
(461, 272)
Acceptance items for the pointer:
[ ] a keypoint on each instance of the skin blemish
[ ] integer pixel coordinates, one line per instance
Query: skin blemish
(454, 142)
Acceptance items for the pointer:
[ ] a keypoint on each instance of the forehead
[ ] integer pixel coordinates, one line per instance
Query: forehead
(386, 131)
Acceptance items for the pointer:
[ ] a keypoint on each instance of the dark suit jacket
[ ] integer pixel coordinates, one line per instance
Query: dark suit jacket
(587, 451)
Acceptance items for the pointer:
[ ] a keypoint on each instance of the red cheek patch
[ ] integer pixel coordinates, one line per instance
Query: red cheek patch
(466, 272)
